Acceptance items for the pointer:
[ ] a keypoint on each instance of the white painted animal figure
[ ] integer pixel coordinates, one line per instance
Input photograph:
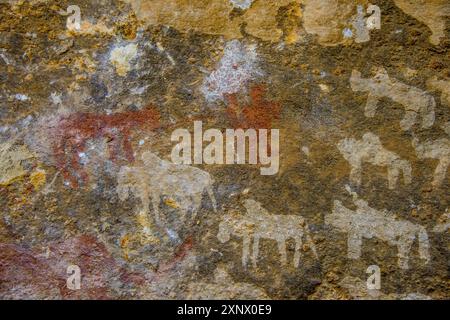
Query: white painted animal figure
(438, 149)
(370, 150)
(414, 100)
(182, 184)
(368, 223)
(259, 223)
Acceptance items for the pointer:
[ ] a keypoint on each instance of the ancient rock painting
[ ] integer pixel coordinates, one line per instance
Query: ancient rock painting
(370, 150)
(75, 130)
(183, 185)
(367, 222)
(10, 161)
(257, 223)
(415, 101)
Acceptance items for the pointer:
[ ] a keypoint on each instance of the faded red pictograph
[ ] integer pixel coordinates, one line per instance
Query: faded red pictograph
(75, 130)
(43, 275)
(259, 114)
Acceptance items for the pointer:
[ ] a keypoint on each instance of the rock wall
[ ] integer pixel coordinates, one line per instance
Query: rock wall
(124, 175)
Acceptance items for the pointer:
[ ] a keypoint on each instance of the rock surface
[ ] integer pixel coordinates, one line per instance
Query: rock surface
(94, 112)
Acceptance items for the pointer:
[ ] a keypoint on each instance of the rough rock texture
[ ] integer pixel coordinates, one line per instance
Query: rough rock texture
(87, 176)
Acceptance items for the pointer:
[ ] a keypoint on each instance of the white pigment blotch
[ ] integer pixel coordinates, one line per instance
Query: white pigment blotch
(236, 68)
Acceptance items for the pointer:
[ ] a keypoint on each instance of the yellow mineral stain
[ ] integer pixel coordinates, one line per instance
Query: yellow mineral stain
(171, 203)
(38, 178)
(147, 235)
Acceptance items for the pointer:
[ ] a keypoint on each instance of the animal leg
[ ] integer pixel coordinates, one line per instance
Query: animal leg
(255, 252)
(298, 254)
(393, 173)
(197, 202)
(404, 246)
(355, 175)
(114, 147)
(440, 172)
(212, 197)
(428, 114)
(371, 106)
(282, 250)
(245, 250)
(354, 242)
(76, 166)
(406, 170)
(408, 120)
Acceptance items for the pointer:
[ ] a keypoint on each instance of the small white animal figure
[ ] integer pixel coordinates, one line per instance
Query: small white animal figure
(414, 100)
(158, 177)
(367, 222)
(439, 150)
(370, 150)
(259, 223)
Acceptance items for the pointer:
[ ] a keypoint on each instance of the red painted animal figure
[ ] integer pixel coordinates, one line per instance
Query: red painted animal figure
(257, 115)
(75, 130)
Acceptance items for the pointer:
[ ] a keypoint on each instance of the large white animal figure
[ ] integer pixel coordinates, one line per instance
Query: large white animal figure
(414, 100)
(436, 149)
(259, 223)
(370, 150)
(366, 222)
(183, 185)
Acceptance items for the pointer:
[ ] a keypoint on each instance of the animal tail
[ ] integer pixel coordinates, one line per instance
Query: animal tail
(428, 115)
(424, 245)
(310, 242)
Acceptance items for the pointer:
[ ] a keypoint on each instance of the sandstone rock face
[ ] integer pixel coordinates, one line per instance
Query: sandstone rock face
(433, 13)
(224, 149)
